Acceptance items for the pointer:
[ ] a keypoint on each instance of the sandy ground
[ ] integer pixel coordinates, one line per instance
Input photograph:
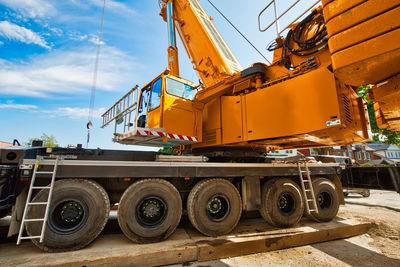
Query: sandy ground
(380, 247)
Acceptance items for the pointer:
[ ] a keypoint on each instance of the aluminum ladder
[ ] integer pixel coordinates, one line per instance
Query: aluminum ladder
(29, 202)
(307, 188)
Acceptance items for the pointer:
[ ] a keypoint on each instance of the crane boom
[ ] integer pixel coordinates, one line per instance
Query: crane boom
(210, 55)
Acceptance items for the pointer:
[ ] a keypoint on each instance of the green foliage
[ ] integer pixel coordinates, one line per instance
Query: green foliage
(48, 140)
(367, 164)
(167, 151)
(387, 136)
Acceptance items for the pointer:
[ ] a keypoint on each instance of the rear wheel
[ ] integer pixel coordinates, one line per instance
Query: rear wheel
(78, 212)
(149, 210)
(214, 207)
(281, 202)
(327, 199)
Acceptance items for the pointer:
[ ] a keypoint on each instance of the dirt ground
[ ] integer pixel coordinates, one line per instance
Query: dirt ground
(379, 247)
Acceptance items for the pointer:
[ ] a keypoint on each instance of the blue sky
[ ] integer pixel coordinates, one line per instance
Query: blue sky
(47, 55)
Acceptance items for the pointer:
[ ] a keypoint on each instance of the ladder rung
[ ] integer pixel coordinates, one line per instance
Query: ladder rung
(44, 172)
(306, 181)
(308, 190)
(309, 200)
(312, 210)
(30, 237)
(40, 187)
(38, 203)
(34, 220)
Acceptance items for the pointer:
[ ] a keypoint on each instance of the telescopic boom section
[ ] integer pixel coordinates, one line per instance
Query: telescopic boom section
(211, 57)
(173, 62)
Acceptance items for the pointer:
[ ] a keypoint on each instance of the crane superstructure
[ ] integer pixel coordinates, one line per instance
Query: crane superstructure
(305, 98)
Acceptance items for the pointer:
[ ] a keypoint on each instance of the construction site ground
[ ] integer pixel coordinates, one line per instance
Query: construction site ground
(365, 233)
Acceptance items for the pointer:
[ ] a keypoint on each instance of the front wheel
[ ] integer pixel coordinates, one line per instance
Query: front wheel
(149, 210)
(78, 212)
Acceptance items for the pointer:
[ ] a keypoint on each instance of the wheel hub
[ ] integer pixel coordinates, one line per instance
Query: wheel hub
(214, 205)
(286, 203)
(71, 212)
(324, 200)
(218, 207)
(151, 208)
(151, 211)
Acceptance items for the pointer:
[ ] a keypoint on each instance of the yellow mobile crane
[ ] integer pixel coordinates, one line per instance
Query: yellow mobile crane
(305, 98)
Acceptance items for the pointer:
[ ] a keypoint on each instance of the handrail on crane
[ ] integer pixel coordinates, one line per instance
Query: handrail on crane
(276, 21)
(122, 109)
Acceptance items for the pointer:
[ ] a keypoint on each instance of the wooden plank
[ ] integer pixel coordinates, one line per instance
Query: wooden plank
(185, 245)
(219, 248)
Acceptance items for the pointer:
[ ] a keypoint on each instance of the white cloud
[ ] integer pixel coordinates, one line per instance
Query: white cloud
(66, 73)
(31, 8)
(70, 112)
(1, 43)
(18, 106)
(95, 40)
(73, 112)
(111, 5)
(12, 31)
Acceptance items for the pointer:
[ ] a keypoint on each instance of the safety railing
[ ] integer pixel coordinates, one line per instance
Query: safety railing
(278, 17)
(123, 111)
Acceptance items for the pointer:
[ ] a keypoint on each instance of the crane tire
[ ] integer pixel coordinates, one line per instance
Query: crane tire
(327, 198)
(214, 207)
(149, 210)
(281, 202)
(263, 212)
(78, 212)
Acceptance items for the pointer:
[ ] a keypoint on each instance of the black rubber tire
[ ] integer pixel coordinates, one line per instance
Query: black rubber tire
(272, 192)
(327, 198)
(199, 198)
(263, 212)
(95, 205)
(131, 200)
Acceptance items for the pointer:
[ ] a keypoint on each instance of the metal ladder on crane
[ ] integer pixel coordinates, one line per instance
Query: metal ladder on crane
(46, 204)
(307, 188)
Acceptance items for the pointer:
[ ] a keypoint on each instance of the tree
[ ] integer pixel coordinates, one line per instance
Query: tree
(379, 135)
(48, 140)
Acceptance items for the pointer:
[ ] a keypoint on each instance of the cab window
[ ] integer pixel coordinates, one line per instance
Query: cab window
(180, 89)
(155, 97)
(144, 100)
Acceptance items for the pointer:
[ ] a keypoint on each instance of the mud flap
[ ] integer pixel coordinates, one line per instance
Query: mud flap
(17, 213)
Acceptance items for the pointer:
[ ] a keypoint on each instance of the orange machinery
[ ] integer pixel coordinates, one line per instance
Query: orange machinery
(364, 39)
(305, 98)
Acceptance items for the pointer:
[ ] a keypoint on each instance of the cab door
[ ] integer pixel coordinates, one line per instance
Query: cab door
(179, 115)
(154, 110)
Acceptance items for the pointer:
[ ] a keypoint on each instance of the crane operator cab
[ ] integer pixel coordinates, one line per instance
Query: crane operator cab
(165, 114)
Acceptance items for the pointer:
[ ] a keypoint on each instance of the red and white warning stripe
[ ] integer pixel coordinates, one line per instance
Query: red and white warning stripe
(147, 132)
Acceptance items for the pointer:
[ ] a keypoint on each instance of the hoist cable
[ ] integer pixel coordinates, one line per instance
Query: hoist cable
(238, 31)
(96, 66)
